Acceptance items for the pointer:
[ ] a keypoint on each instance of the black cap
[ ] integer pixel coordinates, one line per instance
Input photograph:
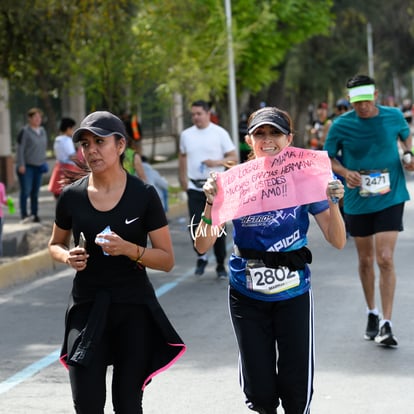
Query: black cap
(102, 124)
(269, 117)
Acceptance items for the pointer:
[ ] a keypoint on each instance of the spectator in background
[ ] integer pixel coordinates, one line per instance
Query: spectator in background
(31, 163)
(213, 114)
(320, 127)
(132, 161)
(204, 148)
(65, 154)
(157, 180)
(407, 110)
(342, 105)
(390, 101)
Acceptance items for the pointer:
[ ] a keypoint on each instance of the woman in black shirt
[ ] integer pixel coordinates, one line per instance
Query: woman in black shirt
(113, 316)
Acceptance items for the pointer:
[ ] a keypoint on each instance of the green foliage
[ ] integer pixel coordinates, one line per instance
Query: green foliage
(125, 50)
(185, 43)
(323, 63)
(266, 31)
(34, 43)
(103, 46)
(183, 46)
(122, 48)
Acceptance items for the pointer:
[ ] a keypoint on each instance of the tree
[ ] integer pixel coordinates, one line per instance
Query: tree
(104, 48)
(34, 48)
(185, 47)
(46, 43)
(288, 53)
(324, 63)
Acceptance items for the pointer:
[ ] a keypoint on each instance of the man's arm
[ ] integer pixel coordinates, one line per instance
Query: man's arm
(352, 178)
(229, 159)
(407, 144)
(182, 171)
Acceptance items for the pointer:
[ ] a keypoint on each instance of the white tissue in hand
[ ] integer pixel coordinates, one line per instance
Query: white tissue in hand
(106, 230)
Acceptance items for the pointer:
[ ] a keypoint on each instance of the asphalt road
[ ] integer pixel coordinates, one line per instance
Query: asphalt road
(353, 376)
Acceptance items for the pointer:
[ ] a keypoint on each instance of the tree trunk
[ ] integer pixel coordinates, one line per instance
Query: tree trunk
(50, 121)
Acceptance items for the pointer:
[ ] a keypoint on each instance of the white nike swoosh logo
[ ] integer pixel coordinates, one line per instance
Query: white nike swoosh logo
(131, 221)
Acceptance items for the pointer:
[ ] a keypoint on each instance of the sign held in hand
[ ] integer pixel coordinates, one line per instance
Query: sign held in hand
(295, 176)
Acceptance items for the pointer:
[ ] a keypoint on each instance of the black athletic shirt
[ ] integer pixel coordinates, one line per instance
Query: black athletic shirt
(138, 212)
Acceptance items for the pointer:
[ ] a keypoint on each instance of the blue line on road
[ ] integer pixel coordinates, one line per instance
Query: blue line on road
(37, 366)
(28, 371)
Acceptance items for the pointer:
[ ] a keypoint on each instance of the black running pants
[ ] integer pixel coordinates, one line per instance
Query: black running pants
(127, 345)
(276, 351)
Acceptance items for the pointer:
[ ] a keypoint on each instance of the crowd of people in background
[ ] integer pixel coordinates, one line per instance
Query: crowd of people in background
(321, 119)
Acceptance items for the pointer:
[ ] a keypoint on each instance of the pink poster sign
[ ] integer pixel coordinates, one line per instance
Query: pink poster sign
(293, 177)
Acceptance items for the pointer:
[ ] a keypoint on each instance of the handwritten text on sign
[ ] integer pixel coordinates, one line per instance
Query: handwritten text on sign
(293, 177)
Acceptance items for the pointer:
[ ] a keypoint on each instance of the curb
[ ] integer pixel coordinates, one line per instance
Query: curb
(27, 268)
(37, 264)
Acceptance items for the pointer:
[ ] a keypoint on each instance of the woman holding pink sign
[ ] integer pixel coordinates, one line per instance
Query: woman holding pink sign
(270, 294)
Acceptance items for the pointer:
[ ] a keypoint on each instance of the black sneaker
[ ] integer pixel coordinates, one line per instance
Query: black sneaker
(221, 271)
(372, 327)
(201, 265)
(385, 336)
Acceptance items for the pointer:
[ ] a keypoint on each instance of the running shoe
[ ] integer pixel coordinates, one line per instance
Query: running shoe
(221, 271)
(385, 336)
(200, 266)
(372, 327)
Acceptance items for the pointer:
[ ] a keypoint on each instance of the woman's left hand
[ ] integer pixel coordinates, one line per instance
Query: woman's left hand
(111, 243)
(335, 191)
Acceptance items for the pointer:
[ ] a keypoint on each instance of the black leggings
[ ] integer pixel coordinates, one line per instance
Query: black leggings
(127, 344)
(276, 351)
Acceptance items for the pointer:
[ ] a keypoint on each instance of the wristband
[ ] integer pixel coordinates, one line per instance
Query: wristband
(205, 219)
(139, 258)
(408, 152)
(407, 157)
(208, 202)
